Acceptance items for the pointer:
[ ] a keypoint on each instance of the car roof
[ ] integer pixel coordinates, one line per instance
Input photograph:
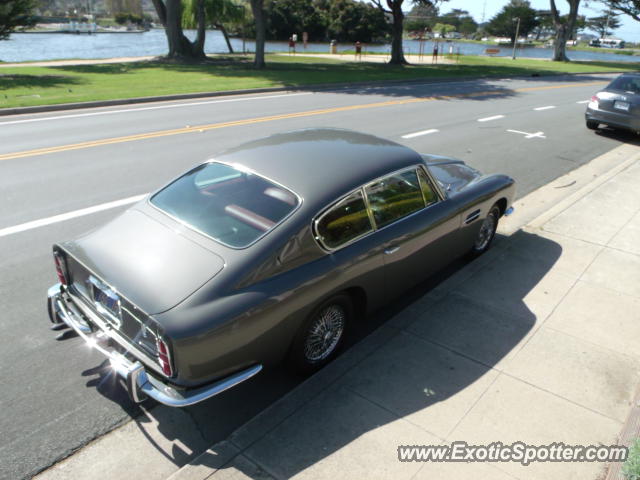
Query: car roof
(321, 164)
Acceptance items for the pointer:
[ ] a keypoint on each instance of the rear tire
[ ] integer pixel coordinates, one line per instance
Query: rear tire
(487, 232)
(592, 124)
(321, 335)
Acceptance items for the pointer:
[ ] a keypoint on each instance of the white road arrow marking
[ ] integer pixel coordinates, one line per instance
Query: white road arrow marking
(529, 135)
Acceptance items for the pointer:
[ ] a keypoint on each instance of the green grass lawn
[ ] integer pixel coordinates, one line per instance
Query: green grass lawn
(28, 85)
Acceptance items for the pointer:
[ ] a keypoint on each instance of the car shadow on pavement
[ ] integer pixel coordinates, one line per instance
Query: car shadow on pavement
(441, 339)
(623, 136)
(428, 359)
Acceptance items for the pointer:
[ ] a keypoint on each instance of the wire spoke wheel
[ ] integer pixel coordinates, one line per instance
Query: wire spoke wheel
(325, 333)
(487, 230)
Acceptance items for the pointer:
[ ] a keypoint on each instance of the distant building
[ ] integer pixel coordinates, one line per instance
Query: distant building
(610, 42)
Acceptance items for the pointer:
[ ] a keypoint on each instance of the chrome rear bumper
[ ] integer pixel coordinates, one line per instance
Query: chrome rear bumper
(139, 384)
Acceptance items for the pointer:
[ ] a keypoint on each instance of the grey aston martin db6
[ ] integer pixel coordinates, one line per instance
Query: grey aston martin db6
(265, 252)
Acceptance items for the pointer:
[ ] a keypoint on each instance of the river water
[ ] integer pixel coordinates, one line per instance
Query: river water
(54, 46)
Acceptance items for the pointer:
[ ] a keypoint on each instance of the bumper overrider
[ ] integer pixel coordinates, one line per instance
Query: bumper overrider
(63, 310)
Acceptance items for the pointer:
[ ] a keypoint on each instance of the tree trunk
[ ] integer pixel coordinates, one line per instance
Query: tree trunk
(258, 15)
(170, 14)
(197, 47)
(563, 30)
(225, 34)
(397, 53)
(560, 44)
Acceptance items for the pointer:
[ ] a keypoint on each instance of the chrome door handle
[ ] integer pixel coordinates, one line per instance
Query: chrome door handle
(391, 250)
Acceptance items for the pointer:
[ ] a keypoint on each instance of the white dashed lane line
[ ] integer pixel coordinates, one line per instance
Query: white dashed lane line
(419, 134)
(488, 119)
(548, 107)
(584, 101)
(69, 215)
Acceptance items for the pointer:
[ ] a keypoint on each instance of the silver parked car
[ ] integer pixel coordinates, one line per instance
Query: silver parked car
(271, 250)
(618, 105)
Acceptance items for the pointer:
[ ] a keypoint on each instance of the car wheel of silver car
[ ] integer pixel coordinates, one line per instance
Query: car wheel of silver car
(592, 124)
(321, 335)
(487, 231)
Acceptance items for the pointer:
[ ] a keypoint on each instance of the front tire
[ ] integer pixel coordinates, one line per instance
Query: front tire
(487, 232)
(592, 124)
(321, 335)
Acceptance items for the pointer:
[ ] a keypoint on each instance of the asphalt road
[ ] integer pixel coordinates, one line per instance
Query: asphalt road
(55, 398)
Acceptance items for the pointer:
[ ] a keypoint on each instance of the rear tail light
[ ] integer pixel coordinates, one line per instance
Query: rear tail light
(594, 99)
(61, 268)
(164, 357)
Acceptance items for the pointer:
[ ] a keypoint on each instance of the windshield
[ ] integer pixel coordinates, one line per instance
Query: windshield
(230, 205)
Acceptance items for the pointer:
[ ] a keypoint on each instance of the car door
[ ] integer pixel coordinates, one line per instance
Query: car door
(419, 229)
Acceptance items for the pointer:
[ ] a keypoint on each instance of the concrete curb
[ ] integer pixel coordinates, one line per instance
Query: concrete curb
(223, 454)
(630, 432)
(319, 86)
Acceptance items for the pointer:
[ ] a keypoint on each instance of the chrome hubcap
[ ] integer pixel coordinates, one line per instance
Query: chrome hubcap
(324, 334)
(486, 232)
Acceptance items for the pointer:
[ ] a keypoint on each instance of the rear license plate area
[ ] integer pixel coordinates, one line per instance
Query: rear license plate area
(619, 105)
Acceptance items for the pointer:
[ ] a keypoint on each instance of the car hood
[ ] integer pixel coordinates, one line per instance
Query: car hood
(152, 265)
(452, 175)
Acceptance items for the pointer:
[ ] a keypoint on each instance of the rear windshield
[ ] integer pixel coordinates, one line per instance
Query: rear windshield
(232, 206)
(626, 83)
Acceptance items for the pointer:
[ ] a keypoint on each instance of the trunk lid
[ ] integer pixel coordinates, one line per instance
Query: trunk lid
(152, 265)
(619, 101)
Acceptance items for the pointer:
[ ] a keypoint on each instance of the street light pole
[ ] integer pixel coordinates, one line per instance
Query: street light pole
(515, 40)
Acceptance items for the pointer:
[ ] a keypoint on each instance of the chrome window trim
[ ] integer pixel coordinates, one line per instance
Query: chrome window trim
(335, 204)
(327, 208)
(434, 183)
(430, 184)
(242, 168)
(367, 204)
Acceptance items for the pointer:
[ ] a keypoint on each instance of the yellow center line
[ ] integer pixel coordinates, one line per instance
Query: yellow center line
(271, 118)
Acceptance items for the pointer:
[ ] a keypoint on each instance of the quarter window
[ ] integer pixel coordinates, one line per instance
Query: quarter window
(395, 197)
(345, 222)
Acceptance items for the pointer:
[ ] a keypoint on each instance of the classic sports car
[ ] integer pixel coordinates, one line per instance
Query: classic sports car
(268, 251)
(617, 105)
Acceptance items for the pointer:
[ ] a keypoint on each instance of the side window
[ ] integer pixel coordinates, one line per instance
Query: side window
(344, 222)
(395, 197)
(428, 191)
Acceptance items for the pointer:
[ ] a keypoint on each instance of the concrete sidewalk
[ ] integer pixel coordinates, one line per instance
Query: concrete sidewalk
(536, 341)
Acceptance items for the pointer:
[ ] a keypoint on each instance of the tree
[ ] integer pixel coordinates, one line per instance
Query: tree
(564, 27)
(443, 28)
(286, 17)
(180, 47)
(544, 27)
(351, 21)
(630, 7)
(257, 7)
(604, 24)
(461, 21)
(421, 18)
(217, 14)
(15, 14)
(505, 22)
(394, 9)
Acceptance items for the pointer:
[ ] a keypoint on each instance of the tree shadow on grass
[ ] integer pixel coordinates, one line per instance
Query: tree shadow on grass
(443, 81)
(8, 81)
